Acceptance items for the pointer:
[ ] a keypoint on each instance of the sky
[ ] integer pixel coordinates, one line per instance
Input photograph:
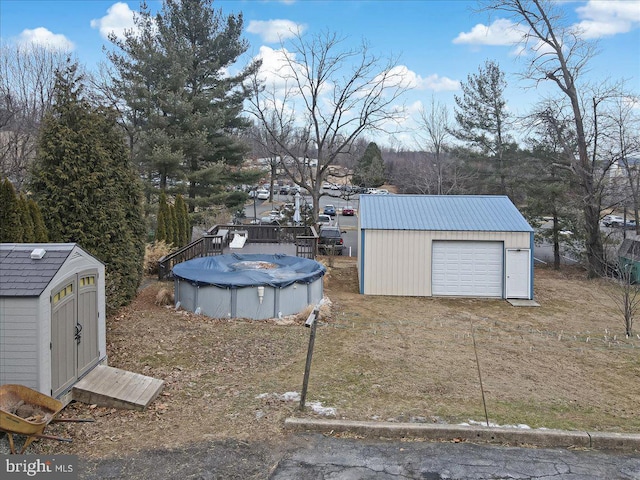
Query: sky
(438, 43)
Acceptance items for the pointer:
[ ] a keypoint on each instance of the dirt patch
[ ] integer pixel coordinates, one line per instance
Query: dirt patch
(565, 364)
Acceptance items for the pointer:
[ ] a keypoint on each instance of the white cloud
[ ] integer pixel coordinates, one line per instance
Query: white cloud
(43, 37)
(411, 79)
(118, 19)
(500, 32)
(274, 31)
(605, 18)
(274, 64)
(599, 18)
(439, 84)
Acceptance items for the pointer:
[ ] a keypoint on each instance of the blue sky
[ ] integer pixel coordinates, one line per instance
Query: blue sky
(440, 42)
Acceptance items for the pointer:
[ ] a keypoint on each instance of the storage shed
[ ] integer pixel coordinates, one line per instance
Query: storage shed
(52, 315)
(444, 245)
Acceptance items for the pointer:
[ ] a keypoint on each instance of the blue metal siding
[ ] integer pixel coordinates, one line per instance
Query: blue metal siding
(441, 212)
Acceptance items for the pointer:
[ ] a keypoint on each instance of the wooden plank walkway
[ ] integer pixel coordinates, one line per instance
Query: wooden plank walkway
(111, 387)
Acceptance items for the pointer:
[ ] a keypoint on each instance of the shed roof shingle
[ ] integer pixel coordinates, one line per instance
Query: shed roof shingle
(488, 213)
(21, 276)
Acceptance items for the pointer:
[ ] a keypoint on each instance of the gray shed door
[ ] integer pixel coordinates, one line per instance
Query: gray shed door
(63, 345)
(87, 322)
(467, 268)
(74, 330)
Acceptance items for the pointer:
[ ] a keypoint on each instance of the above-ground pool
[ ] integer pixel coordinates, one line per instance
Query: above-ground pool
(253, 286)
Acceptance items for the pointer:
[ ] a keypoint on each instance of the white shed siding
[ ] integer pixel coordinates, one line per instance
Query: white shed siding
(19, 341)
(398, 262)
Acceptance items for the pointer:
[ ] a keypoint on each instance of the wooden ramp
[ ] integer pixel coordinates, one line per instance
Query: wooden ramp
(111, 387)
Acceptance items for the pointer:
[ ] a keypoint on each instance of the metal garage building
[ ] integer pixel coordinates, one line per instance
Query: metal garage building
(52, 315)
(444, 245)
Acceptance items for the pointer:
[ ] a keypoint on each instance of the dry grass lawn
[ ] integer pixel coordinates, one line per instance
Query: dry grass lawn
(565, 364)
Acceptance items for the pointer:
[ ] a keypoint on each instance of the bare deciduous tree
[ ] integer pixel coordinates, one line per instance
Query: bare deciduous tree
(27, 77)
(434, 133)
(626, 295)
(625, 123)
(560, 55)
(327, 96)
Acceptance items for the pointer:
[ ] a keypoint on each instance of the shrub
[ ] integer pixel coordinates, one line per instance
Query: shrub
(153, 252)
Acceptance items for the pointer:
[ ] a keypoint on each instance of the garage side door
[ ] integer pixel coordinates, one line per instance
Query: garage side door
(465, 268)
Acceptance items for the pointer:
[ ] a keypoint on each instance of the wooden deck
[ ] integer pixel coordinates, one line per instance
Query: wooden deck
(267, 248)
(111, 387)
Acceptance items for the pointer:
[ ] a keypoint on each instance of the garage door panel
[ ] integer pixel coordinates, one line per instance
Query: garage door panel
(467, 268)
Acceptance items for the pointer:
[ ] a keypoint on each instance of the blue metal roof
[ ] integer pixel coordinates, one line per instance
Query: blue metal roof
(487, 213)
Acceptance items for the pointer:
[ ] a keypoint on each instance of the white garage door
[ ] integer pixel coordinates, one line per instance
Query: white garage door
(467, 268)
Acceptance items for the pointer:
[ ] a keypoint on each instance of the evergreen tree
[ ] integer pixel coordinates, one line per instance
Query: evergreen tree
(26, 221)
(175, 233)
(39, 229)
(483, 120)
(184, 226)
(370, 169)
(10, 228)
(161, 220)
(88, 192)
(161, 231)
(183, 107)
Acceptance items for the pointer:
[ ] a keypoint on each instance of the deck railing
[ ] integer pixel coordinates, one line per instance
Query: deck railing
(202, 247)
(217, 238)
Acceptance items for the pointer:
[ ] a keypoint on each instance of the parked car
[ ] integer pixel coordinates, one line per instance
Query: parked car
(273, 216)
(613, 221)
(348, 211)
(262, 194)
(330, 210)
(330, 241)
(324, 220)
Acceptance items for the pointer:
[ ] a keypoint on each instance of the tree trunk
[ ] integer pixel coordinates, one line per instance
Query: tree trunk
(594, 248)
(556, 244)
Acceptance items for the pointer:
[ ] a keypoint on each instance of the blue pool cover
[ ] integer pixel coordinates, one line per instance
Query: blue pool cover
(249, 270)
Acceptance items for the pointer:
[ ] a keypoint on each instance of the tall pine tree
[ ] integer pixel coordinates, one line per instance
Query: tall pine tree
(89, 194)
(483, 122)
(182, 106)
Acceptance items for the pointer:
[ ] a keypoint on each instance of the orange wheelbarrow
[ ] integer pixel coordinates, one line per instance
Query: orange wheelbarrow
(24, 411)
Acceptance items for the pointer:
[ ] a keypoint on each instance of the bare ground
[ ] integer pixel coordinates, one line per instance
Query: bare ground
(565, 364)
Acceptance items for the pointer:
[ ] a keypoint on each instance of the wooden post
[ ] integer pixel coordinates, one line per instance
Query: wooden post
(311, 322)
